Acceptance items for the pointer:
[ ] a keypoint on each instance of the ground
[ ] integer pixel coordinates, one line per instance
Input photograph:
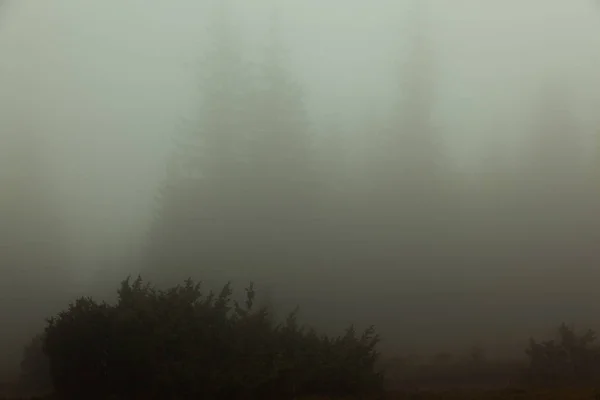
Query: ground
(499, 394)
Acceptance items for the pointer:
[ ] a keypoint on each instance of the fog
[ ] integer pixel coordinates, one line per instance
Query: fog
(430, 167)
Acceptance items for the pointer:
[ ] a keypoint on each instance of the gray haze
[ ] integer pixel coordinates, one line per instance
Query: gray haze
(478, 224)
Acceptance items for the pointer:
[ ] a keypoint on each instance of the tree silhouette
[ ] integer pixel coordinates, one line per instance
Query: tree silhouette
(281, 181)
(408, 167)
(199, 202)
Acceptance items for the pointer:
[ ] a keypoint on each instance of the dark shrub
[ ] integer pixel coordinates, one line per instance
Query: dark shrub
(571, 357)
(77, 343)
(180, 343)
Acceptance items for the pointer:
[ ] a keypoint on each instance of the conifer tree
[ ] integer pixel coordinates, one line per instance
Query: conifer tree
(199, 204)
(408, 165)
(281, 178)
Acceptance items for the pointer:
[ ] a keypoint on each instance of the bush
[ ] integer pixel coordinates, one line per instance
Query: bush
(572, 357)
(180, 343)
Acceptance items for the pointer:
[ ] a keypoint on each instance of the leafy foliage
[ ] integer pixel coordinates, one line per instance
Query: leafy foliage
(180, 343)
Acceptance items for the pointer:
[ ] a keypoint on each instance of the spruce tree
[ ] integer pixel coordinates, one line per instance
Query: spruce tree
(195, 228)
(409, 168)
(282, 188)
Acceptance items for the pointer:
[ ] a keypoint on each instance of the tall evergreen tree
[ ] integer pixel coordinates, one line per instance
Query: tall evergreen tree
(199, 205)
(411, 150)
(409, 166)
(281, 180)
(280, 149)
(420, 151)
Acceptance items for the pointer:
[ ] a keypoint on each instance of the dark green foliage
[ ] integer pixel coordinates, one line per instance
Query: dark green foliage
(573, 357)
(77, 344)
(179, 343)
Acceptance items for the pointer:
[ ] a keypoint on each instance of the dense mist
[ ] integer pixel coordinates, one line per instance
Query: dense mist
(430, 167)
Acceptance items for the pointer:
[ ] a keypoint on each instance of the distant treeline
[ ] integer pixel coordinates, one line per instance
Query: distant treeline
(259, 192)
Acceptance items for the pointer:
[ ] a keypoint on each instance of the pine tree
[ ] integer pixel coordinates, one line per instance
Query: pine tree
(281, 181)
(280, 147)
(421, 151)
(195, 227)
(409, 159)
(409, 165)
